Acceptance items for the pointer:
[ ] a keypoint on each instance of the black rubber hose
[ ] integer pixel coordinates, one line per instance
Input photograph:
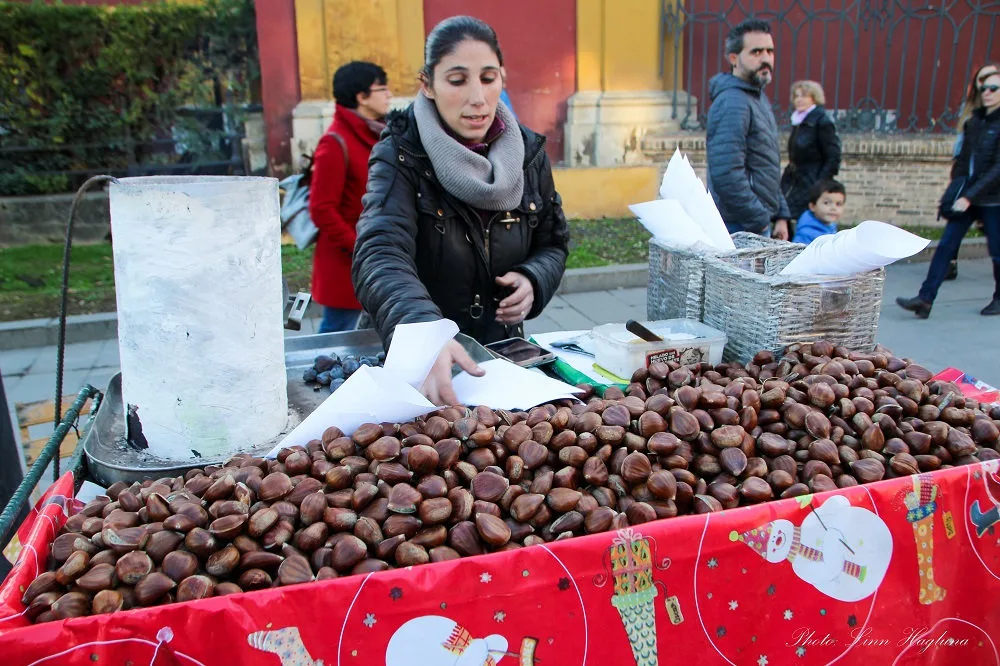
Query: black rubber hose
(61, 349)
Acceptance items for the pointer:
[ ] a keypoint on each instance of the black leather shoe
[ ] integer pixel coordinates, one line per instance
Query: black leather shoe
(952, 271)
(915, 305)
(992, 309)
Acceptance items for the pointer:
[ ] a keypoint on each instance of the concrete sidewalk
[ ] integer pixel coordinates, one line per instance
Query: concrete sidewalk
(955, 335)
(576, 281)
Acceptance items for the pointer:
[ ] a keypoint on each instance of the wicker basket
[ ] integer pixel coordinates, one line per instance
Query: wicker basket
(676, 288)
(759, 309)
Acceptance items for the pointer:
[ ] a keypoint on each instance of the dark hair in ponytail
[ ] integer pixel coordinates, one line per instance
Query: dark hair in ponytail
(447, 34)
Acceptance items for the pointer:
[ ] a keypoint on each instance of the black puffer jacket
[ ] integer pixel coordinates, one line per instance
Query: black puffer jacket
(813, 155)
(423, 254)
(981, 152)
(744, 159)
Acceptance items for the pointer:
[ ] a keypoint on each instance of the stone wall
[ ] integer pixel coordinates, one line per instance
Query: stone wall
(891, 179)
(42, 219)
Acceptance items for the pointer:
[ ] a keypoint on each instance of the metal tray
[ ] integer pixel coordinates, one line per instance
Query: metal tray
(110, 459)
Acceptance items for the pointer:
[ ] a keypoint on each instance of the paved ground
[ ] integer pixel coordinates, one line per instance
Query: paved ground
(955, 335)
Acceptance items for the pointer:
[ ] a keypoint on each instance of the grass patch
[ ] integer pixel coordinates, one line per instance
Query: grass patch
(606, 242)
(31, 279)
(31, 275)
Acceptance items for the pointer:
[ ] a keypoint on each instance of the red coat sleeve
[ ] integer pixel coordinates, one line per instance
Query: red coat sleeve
(326, 190)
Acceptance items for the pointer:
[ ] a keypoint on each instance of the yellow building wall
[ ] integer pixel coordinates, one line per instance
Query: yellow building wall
(617, 50)
(618, 46)
(618, 43)
(593, 192)
(589, 45)
(332, 33)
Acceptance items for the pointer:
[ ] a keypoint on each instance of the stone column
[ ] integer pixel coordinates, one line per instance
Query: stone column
(332, 33)
(620, 91)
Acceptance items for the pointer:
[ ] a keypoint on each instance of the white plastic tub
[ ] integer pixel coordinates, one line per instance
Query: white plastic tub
(685, 341)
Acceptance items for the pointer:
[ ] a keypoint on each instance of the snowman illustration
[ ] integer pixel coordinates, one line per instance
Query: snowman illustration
(985, 517)
(434, 640)
(841, 550)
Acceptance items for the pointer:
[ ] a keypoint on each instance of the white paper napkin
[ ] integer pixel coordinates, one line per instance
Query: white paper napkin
(866, 247)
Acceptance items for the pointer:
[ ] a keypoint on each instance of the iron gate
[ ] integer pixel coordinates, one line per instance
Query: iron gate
(887, 66)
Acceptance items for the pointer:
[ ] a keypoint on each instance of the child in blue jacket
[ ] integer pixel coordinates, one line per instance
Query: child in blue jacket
(826, 206)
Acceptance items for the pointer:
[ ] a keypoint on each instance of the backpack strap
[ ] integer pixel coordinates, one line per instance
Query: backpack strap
(343, 145)
(309, 158)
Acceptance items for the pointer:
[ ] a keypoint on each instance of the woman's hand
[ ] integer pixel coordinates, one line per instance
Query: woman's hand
(437, 387)
(961, 205)
(780, 230)
(517, 305)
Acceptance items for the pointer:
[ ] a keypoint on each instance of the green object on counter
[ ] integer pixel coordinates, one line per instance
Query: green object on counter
(571, 375)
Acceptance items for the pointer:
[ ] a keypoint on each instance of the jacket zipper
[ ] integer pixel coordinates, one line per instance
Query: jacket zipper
(484, 251)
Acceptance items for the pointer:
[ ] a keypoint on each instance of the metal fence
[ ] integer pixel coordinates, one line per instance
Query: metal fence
(203, 141)
(888, 66)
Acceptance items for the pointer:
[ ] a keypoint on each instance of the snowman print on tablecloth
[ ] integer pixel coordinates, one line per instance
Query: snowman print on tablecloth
(801, 585)
(473, 613)
(435, 640)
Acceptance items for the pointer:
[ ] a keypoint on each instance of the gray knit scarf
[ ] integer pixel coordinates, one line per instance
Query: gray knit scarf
(494, 182)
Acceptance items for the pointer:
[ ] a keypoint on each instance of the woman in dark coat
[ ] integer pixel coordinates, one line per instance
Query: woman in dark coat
(973, 100)
(461, 219)
(978, 170)
(813, 147)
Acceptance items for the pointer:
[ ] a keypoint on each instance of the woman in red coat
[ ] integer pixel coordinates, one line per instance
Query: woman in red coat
(340, 176)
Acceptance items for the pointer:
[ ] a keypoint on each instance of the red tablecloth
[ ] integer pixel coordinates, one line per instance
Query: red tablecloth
(904, 571)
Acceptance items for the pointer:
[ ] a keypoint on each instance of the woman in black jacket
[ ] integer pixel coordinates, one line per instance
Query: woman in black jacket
(813, 147)
(978, 166)
(461, 219)
(973, 100)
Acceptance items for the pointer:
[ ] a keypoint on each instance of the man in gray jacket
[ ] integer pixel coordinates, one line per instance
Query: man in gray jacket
(744, 157)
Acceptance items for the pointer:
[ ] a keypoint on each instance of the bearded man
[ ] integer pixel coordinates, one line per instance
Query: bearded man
(744, 157)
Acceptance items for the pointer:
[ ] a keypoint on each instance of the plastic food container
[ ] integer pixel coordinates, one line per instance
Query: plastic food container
(685, 341)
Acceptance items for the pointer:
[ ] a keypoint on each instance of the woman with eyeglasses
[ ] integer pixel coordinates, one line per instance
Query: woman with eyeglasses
(973, 100)
(339, 176)
(977, 173)
(461, 220)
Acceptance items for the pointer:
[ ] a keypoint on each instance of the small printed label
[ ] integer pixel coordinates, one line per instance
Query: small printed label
(527, 656)
(683, 355)
(949, 525)
(673, 605)
(13, 550)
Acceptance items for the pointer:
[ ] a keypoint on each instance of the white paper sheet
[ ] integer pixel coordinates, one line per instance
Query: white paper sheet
(370, 395)
(888, 240)
(428, 338)
(866, 247)
(89, 490)
(508, 386)
(580, 362)
(667, 221)
(680, 183)
(376, 395)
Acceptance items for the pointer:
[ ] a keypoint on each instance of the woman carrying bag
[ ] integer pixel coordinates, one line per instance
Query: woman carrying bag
(973, 100)
(974, 193)
(813, 147)
(461, 219)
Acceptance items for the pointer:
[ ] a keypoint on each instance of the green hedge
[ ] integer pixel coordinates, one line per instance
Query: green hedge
(90, 81)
